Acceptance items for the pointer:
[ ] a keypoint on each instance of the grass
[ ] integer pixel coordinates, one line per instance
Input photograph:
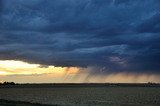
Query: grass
(20, 103)
(82, 96)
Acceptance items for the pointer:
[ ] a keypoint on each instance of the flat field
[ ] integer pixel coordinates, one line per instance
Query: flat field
(83, 96)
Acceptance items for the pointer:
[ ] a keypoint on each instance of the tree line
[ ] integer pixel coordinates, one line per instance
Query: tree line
(7, 83)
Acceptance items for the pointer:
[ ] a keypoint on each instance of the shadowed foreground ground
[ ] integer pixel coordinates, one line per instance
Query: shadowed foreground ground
(20, 103)
(81, 96)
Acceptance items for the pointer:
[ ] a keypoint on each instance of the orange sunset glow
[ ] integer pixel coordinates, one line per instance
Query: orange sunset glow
(20, 71)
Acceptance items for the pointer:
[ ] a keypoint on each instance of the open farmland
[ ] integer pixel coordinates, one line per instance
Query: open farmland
(84, 96)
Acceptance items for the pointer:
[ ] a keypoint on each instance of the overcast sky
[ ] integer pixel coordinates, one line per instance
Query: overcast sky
(113, 35)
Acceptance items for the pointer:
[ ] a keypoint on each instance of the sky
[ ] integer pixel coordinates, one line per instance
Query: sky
(79, 41)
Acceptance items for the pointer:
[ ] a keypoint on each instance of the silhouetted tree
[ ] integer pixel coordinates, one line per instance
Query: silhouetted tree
(8, 83)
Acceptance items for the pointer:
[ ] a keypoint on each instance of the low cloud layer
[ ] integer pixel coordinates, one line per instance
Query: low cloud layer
(113, 35)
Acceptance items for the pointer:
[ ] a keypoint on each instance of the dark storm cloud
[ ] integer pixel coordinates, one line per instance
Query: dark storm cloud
(151, 25)
(120, 35)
